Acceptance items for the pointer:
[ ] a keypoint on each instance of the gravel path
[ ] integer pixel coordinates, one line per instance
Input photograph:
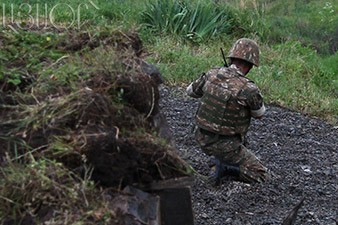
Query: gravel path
(301, 153)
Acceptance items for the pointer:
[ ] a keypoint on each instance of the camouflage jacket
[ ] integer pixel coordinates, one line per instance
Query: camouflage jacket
(228, 101)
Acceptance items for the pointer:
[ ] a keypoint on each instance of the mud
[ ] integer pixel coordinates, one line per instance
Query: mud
(300, 152)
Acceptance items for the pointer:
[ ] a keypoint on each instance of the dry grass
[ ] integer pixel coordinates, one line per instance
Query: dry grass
(62, 133)
(45, 191)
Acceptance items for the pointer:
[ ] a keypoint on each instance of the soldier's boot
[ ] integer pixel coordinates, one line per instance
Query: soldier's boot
(223, 169)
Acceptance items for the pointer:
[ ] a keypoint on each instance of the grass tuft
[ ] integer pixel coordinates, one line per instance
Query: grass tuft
(43, 191)
(193, 21)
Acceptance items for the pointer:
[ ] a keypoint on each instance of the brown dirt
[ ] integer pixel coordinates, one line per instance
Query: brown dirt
(109, 119)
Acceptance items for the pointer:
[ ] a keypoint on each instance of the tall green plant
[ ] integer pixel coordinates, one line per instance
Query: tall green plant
(193, 21)
(165, 16)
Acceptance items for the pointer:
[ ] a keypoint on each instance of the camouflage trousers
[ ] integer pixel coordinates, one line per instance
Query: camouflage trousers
(230, 150)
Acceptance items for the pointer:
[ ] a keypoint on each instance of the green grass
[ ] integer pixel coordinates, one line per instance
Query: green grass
(24, 55)
(297, 42)
(196, 22)
(298, 70)
(45, 184)
(181, 63)
(292, 74)
(312, 22)
(72, 14)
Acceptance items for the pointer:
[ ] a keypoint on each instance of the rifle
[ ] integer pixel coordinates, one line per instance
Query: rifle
(224, 59)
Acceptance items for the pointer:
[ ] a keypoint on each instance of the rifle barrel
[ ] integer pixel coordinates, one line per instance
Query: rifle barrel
(224, 59)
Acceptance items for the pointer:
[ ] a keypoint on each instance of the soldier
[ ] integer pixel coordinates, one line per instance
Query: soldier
(228, 100)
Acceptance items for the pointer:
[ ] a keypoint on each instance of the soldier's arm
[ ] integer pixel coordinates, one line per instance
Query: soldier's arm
(255, 103)
(195, 89)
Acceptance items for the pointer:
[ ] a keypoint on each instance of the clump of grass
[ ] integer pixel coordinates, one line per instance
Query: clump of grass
(43, 191)
(190, 20)
(75, 14)
(313, 23)
(181, 63)
(23, 56)
(291, 76)
(69, 113)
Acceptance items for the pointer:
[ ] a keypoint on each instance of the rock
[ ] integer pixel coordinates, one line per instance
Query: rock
(136, 207)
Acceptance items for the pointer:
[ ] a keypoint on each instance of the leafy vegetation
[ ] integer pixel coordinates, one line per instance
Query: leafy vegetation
(313, 23)
(192, 21)
(298, 61)
(298, 40)
(299, 58)
(24, 55)
(47, 184)
(68, 110)
(290, 34)
(293, 77)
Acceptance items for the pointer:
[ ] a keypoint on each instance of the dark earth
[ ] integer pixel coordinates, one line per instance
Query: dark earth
(300, 152)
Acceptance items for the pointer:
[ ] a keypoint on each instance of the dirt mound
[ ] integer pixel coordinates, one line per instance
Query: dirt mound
(87, 119)
(121, 41)
(26, 53)
(106, 123)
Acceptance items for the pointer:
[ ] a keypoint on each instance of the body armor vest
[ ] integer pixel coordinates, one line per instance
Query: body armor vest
(221, 111)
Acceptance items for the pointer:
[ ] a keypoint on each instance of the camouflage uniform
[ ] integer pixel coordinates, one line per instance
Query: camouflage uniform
(228, 101)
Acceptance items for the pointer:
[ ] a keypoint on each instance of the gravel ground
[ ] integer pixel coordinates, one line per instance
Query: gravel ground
(300, 152)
